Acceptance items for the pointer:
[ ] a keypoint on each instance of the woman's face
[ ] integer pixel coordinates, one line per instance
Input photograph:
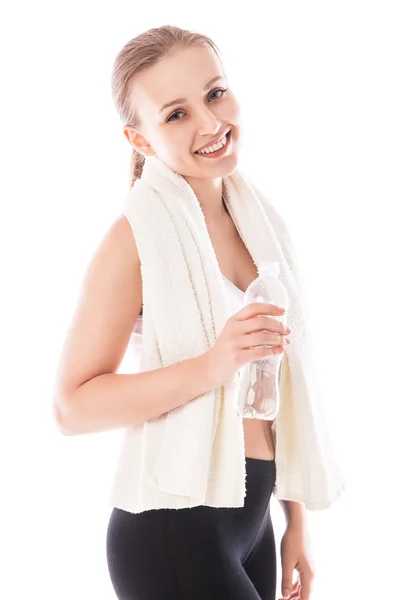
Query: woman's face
(191, 81)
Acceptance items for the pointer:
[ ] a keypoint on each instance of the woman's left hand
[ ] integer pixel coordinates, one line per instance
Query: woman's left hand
(296, 554)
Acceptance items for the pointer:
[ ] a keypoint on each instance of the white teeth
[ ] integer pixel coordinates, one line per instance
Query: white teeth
(214, 147)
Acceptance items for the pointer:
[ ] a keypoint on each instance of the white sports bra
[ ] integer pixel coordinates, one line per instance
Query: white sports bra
(235, 298)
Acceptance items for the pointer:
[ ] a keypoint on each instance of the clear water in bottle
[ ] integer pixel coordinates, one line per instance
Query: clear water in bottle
(259, 385)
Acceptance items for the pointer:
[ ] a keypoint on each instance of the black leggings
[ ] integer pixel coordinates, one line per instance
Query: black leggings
(199, 553)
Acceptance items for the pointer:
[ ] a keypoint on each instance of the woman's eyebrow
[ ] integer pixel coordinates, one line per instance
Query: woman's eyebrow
(183, 100)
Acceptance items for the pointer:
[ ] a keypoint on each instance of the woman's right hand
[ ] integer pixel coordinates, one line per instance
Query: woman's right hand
(236, 345)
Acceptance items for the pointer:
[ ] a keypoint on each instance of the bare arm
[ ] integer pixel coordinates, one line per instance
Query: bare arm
(115, 400)
(295, 514)
(89, 395)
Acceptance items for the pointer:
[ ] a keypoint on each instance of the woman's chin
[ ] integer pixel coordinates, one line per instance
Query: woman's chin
(223, 167)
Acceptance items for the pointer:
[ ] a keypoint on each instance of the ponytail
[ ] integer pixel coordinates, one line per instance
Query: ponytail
(137, 163)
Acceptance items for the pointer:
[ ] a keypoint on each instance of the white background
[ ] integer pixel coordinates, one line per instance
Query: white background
(318, 83)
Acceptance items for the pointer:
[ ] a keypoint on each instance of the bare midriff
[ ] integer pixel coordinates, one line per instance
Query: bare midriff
(258, 439)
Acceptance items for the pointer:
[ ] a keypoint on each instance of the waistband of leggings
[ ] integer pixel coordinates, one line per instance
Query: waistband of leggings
(261, 463)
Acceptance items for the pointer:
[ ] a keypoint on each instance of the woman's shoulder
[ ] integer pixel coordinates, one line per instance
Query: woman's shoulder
(120, 236)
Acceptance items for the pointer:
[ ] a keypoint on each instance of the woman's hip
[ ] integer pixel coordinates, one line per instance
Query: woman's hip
(225, 529)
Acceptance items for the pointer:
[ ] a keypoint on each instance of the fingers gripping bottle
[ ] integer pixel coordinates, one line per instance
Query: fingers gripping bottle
(259, 384)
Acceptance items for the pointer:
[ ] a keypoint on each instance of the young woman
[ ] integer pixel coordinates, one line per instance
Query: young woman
(173, 96)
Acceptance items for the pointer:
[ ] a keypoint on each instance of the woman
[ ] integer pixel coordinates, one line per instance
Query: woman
(173, 97)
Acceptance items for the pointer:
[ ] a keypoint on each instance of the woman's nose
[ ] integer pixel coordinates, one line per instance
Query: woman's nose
(208, 123)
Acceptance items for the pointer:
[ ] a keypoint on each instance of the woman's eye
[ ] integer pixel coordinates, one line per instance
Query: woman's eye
(219, 90)
(173, 114)
(170, 118)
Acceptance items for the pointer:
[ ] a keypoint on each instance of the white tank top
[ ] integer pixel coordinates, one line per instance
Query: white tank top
(235, 298)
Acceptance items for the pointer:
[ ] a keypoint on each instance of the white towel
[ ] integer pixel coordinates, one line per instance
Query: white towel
(195, 454)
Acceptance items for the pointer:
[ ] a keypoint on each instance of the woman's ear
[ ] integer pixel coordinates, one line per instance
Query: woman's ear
(138, 141)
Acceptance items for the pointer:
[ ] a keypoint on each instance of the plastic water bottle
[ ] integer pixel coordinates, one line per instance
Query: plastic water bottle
(259, 385)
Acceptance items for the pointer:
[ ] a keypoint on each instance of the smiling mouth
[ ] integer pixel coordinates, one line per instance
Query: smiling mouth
(217, 146)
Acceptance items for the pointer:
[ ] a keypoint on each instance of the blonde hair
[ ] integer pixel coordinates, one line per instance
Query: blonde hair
(144, 51)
